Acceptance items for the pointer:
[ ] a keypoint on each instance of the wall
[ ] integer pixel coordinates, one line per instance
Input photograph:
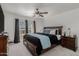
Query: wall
(9, 25)
(68, 19)
(39, 24)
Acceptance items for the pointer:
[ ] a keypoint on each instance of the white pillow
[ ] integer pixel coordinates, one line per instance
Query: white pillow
(46, 31)
(52, 32)
(59, 37)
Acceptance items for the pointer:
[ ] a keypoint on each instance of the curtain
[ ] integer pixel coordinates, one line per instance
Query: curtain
(26, 24)
(16, 38)
(34, 26)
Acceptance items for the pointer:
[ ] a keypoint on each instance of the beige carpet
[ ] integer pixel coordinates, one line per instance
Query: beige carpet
(20, 50)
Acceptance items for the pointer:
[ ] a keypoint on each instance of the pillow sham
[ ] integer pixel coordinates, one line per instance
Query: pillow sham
(52, 32)
(46, 31)
(59, 37)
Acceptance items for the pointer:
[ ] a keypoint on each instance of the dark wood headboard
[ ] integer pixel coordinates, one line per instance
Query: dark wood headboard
(55, 27)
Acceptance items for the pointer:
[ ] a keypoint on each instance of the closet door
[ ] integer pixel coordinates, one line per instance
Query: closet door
(16, 38)
(1, 20)
(26, 24)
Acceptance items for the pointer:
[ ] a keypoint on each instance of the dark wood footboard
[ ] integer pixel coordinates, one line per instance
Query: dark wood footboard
(32, 48)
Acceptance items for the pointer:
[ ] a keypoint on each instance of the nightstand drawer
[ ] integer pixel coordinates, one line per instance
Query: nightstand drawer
(68, 42)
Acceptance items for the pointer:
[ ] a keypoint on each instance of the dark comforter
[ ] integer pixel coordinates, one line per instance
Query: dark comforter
(36, 41)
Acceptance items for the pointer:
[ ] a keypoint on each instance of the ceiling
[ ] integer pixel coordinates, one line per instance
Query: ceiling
(27, 9)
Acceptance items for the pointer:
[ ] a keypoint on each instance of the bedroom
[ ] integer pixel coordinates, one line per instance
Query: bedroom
(62, 17)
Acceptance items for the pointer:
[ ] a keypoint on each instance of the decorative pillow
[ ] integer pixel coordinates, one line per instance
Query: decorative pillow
(59, 37)
(52, 32)
(46, 31)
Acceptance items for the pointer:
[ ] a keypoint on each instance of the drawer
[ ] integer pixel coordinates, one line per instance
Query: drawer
(69, 42)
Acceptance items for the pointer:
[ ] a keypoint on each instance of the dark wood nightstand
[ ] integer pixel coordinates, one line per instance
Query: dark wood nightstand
(3, 45)
(69, 42)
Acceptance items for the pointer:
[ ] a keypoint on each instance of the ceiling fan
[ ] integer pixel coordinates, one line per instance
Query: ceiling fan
(37, 12)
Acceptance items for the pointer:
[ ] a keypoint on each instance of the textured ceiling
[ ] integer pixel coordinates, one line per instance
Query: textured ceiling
(27, 9)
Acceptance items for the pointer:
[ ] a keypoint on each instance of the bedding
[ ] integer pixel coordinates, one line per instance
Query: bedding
(45, 41)
(52, 32)
(36, 41)
(53, 38)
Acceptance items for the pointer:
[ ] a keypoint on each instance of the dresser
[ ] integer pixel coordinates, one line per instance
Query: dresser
(3, 45)
(69, 42)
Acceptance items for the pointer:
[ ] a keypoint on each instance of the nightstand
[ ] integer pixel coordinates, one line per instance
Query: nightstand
(69, 42)
(3, 45)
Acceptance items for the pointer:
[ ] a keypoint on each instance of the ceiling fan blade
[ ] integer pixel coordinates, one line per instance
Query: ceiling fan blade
(41, 15)
(43, 12)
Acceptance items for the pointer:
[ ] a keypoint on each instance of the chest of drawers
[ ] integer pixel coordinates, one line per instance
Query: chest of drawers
(69, 42)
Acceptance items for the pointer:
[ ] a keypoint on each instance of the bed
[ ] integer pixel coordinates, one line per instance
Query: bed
(35, 45)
